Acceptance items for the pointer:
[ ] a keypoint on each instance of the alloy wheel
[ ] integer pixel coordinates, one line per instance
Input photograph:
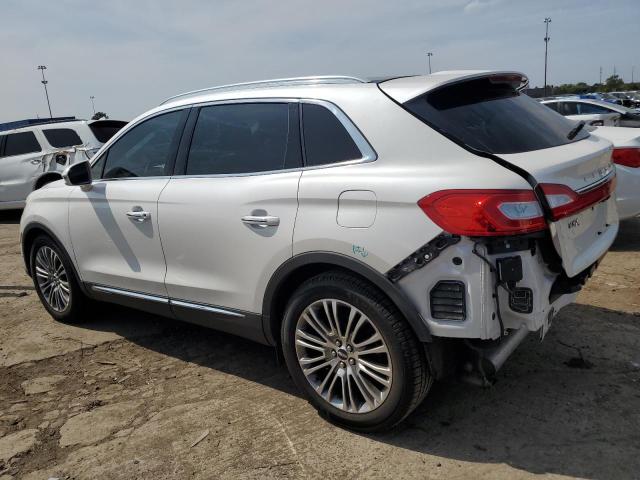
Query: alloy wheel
(52, 279)
(343, 356)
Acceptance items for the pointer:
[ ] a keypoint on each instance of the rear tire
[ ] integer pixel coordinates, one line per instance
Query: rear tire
(352, 353)
(55, 281)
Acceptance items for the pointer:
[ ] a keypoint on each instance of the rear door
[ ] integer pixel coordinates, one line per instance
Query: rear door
(20, 163)
(487, 114)
(227, 216)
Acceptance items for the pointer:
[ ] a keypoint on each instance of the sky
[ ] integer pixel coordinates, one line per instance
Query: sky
(132, 54)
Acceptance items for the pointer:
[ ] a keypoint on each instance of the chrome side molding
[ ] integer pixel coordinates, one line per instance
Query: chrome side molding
(206, 308)
(128, 293)
(166, 301)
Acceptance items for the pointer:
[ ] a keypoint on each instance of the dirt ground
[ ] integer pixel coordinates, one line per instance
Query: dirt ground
(128, 395)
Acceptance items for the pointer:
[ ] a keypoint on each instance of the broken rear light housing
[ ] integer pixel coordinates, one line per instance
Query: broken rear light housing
(484, 212)
(495, 212)
(565, 202)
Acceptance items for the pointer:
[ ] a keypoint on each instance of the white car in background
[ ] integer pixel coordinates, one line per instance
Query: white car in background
(595, 112)
(592, 112)
(34, 155)
(626, 156)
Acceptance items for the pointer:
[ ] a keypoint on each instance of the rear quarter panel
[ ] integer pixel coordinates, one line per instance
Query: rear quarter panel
(413, 160)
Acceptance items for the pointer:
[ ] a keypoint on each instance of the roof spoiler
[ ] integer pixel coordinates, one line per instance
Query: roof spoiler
(407, 88)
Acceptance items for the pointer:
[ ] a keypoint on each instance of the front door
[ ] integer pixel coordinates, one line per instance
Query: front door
(114, 224)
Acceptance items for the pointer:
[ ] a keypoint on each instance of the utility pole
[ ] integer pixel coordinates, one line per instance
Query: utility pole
(600, 75)
(44, 82)
(93, 104)
(633, 68)
(547, 21)
(429, 55)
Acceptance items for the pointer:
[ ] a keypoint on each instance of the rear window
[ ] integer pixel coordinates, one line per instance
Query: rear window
(62, 137)
(325, 138)
(105, 129)
(493, 117)
(20, 144)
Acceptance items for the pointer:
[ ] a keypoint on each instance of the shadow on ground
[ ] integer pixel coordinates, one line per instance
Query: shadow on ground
(628, 239)
(10, 216)
(542, 416)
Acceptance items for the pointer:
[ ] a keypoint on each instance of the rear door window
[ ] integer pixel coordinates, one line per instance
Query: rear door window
(244, 138)
(21, 144)
(62, 137)
(325, 138)
(492, 117)
(103, 130)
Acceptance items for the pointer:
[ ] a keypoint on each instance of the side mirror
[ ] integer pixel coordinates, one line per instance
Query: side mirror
(78, 174)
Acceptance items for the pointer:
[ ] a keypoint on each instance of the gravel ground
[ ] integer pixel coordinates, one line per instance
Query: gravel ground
(128, 395)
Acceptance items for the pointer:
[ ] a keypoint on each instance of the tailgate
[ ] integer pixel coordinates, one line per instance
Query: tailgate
(486, 113)
(585, 166)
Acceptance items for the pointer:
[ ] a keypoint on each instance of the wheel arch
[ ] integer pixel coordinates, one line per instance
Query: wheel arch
(33, 231)
(303, 266)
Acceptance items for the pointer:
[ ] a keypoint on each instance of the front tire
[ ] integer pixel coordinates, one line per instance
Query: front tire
(352, 353)
(55, 281)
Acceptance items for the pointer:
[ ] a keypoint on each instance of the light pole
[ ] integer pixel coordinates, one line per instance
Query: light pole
(633, 70)
(600, 75)
(429, 55)
(42, 68)
(547, 21)
(93, 104)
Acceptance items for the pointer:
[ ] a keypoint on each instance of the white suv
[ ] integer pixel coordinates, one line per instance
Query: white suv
(34, 155)
(381, 234)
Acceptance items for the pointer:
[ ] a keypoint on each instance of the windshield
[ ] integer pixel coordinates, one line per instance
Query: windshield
(493, 117)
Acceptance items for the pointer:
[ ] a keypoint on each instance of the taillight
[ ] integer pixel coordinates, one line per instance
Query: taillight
(628, 157)
(484, 212)
(565, 202)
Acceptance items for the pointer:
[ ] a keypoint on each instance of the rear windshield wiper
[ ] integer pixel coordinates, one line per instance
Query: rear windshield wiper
(575, 130)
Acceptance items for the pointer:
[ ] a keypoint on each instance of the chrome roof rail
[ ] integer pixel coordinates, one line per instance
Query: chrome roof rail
(278, 82)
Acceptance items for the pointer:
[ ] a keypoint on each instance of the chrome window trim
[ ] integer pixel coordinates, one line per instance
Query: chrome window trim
(366, 150)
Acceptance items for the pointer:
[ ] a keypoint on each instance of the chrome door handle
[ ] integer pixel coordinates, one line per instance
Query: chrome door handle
(139, 215)
(261, 221)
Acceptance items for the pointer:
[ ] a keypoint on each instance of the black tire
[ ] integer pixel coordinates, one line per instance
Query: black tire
(77, 301)
(411, 375)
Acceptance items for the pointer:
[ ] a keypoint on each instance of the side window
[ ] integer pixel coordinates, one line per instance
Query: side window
(62, 137)
(325, 138)
(552, 105)
(146, 149)
(568, 108)
(20, 144)
(97, 167)
(243, 138)
(590, 109)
